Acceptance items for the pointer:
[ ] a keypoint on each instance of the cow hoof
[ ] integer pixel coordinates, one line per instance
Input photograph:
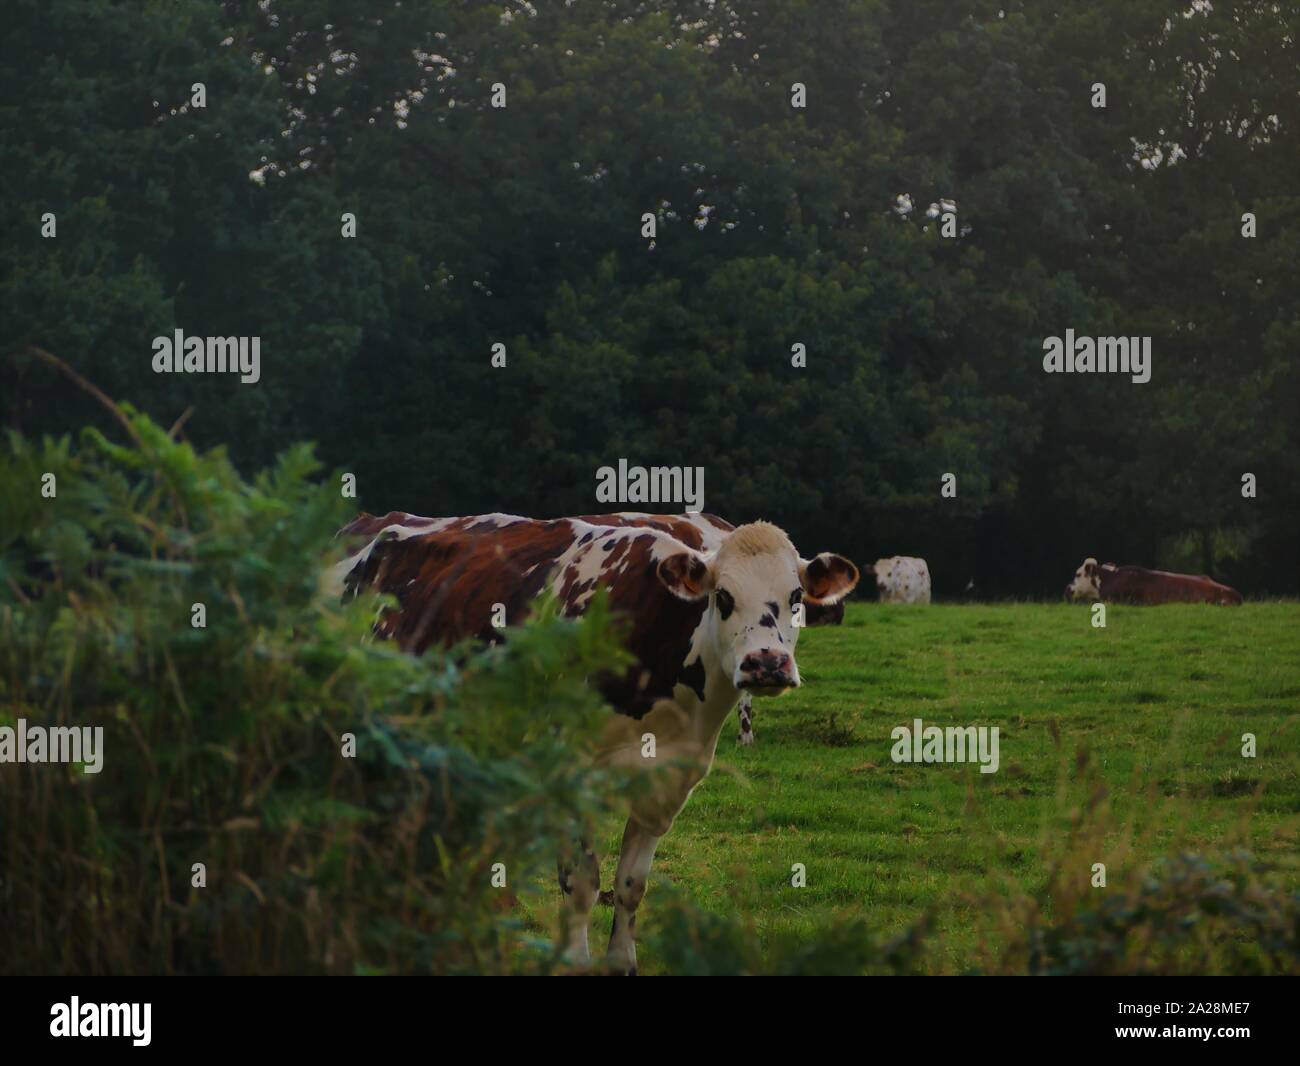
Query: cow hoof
(606, 898)
(630, 973)
(745, 739)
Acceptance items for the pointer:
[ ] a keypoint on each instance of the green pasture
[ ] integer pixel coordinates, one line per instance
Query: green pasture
(1117, 745)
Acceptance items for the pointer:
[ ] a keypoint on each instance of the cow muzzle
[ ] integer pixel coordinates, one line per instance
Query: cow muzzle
(767, 672)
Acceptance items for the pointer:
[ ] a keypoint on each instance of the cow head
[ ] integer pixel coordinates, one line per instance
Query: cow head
(751, 584)
(1087, 582)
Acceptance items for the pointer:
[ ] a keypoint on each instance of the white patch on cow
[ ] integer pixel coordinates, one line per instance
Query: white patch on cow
(500, 521)
(1086, 584)
(711, 534)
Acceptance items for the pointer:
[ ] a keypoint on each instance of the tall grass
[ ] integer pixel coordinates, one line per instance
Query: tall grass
(224, 745)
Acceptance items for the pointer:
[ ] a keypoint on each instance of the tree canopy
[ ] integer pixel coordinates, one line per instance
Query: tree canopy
(775, 225)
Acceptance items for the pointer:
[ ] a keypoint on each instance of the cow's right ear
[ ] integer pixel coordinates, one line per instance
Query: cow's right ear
(1089, 567)
(686, 575)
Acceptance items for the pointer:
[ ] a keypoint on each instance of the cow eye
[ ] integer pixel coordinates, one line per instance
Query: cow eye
(725, 603)
(796, 597)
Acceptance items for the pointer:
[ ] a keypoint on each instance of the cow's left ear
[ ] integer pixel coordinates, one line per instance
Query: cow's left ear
(828, 578)
(686, 575)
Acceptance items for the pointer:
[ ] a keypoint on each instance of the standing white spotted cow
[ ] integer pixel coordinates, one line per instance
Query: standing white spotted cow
(704, 626)
(902, 579)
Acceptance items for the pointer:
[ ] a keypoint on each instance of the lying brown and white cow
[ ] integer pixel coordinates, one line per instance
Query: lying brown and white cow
(703, 532)
(705, 626)
(1134, 584)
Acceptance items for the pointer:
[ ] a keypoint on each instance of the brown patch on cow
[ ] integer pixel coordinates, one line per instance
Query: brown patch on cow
(1137, 585)
(684, 572)
(447, 582)
(659, 635)
(694, 678)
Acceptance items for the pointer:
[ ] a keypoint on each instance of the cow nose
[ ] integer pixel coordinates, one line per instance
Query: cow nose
(767, 668)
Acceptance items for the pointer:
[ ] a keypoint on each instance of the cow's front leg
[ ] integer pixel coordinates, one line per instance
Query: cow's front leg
(746, 719)
(634, 859)
(579, 872)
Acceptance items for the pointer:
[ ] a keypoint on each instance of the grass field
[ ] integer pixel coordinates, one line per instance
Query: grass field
(1159, 698)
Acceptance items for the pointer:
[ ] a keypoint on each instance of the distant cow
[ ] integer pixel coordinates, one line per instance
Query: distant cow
(1134, 584)
(902, 579)
(704, 627)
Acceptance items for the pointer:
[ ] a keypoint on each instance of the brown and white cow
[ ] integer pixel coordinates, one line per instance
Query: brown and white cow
(1134, 584)
(698, 530)
(705, 626)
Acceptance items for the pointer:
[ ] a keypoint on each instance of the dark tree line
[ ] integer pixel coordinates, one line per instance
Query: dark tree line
(775, 225)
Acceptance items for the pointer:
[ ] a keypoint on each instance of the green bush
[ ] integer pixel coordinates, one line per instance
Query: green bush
(1188, 915)
(223, 745)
